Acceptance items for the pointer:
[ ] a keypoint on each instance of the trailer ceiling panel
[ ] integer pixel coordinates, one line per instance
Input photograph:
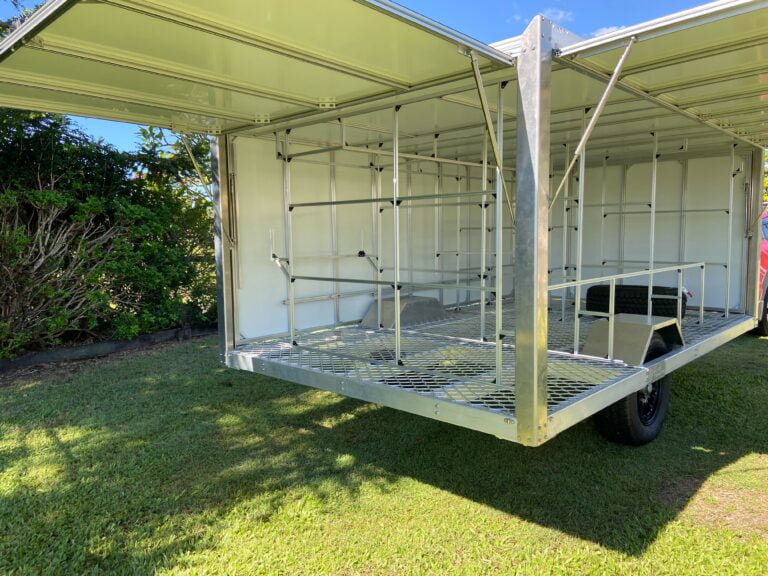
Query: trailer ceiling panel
(708, 62)
(196, 65)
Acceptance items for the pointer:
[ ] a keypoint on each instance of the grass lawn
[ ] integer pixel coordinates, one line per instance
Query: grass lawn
(163, 462)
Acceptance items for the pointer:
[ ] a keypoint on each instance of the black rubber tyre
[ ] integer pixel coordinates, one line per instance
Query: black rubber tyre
(633, 299)
(638, 418)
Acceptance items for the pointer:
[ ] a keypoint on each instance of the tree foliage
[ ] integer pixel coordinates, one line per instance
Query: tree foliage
(95, 242)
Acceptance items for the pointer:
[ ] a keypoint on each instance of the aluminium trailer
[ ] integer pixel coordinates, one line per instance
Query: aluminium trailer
(414, 218)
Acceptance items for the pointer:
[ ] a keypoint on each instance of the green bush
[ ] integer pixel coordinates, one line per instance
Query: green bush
(98, 243)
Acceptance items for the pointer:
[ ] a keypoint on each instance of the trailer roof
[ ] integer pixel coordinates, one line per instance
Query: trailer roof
(194, 65)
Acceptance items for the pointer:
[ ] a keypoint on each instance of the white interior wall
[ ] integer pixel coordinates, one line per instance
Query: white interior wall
(263, 287)
(605, 238)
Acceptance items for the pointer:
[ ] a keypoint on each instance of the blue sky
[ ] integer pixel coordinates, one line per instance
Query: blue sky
(485, 20)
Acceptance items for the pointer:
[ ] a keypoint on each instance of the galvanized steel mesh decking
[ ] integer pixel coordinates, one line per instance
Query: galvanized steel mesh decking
(441, 361)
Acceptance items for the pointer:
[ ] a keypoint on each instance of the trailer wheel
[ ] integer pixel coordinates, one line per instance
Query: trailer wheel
(637, 419)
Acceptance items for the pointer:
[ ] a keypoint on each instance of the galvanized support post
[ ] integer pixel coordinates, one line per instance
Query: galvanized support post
(224, 244)
(289, 237)
(458, 245)
(565, 234)
(499, 237)
(729, 243)
(483, 236)
(534, 68)
(652, 236)
(579, 246)
(334, 239)
(602, 214)
(396, 223)
(379, 246)
(438, 218)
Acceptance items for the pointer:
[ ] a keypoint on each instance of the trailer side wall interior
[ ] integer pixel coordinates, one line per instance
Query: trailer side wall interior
(411, 217)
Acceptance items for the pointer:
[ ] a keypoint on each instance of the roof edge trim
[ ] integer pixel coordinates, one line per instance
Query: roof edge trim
(427, 24)
(711, 12)
(36, 23)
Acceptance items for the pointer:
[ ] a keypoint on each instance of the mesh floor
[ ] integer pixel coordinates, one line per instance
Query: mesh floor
(447, 362)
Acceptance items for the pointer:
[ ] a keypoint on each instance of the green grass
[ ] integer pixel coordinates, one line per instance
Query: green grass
(164, 462)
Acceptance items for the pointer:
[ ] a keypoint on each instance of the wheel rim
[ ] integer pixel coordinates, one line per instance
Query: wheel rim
(648, 403)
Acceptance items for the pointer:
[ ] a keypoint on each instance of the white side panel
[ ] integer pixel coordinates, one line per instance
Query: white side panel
(262, 285)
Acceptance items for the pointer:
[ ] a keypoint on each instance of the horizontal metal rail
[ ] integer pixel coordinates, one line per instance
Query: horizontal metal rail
(428, 286)
(689, 211)
(598, 279)
(400, 199)
(384, 152)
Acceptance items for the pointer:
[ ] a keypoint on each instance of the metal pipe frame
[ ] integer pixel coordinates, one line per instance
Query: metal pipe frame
(392, 283)
(499, 291)
(484, 238)
(580, 240)
(565, 260)
(288, 219)
(652, 234)
(334, 234)
(729, 242)
(599, 279)
(396, 223)
(386, 153)
(391, 200)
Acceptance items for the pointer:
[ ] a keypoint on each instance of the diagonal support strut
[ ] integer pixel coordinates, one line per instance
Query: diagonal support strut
(595, 117)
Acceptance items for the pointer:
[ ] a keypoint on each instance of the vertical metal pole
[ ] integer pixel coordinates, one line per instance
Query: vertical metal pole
(729, 243)
(566, 209)
(579, 244)
(334, 240)
(289, 236)
(701, 291)
(379, 246)
(602, 212)
(534, 68)
(223, 245)
(375, 250)
(468, 224)
(611, 317)
(680, 296)
(622, 217)
(409, 221)
(458, 244)
(396, 223)
(652, 238)
(500, 239)
(683, 221)
(683, 215)
(483, 236)
(438, 217)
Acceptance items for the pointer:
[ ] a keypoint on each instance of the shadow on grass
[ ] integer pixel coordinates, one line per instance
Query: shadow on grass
(119, 466)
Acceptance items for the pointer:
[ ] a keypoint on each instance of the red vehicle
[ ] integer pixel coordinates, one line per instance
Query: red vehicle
(763, 327)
